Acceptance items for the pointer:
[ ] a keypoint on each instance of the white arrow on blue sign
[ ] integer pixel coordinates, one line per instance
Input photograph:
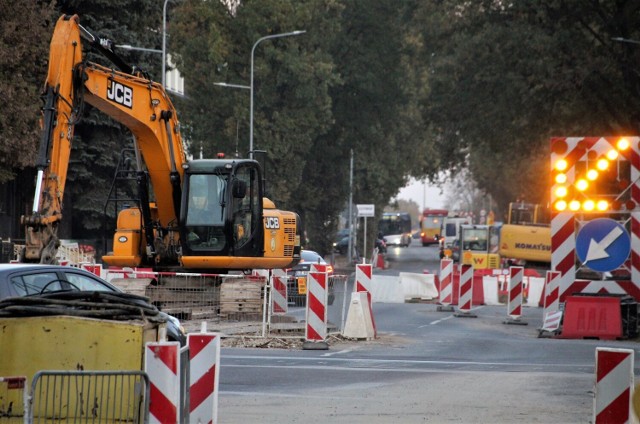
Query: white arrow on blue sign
(603, 244)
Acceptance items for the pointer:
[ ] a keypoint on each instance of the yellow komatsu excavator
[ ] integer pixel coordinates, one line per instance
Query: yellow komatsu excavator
(206, 214)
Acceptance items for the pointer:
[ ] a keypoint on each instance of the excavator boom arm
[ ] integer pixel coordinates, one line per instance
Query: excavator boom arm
(138, 103)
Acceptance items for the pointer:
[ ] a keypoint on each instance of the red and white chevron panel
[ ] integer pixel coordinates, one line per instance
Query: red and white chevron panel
(204, 370)
(514, 301)
(317, 295)
(162, 365)
(363, 284)
(363, 277)
(466, 288)
(446, 282)
(552, 321)
(551, 292)
(563, 224)
(279, 304)
(92, 268)
(614, 385)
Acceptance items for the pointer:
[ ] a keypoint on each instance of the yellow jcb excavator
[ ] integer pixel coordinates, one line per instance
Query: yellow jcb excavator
(207, 214)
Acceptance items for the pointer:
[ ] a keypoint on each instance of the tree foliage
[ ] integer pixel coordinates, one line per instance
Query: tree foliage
(506, 77)
(25, 30)
(412, 88)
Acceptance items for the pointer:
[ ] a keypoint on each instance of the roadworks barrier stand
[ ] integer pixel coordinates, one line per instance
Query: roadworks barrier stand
(465, 289)
(359, 323)
(317, 297)
(514, 301)
(598, 316)
(614, 385)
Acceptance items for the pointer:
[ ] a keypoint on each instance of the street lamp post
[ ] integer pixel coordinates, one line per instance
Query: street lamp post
(164, 41)
(625, 40)
(142, 49)
(224, 84)
(267, 37)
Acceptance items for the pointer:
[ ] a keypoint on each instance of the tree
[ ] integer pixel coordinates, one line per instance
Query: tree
(505, 77)
(99, 139)
(24, 46)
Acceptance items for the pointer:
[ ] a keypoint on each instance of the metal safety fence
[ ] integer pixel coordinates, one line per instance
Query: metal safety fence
(291, 322)
(88, 397)
(196, 297)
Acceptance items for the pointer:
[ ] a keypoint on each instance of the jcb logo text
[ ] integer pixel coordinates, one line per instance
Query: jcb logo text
(120, 94)
(272, 223)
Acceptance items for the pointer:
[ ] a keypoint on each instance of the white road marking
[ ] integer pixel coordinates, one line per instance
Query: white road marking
(339, 352)
(447, 317)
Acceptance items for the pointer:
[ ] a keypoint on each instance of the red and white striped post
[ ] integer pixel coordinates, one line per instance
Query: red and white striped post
(551, 305)
(363, 278)
(279, 305)
(514, 299)
(317, 296)
(614, 384)
(552, 292)
(466, 292)
(363, 284)
(446, 285)
(204, 371)
(162, 365)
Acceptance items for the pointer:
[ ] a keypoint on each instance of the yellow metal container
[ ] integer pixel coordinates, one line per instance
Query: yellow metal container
(66, 343)
(32, 344)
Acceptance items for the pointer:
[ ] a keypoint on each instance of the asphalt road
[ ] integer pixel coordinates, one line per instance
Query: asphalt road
(425, 366)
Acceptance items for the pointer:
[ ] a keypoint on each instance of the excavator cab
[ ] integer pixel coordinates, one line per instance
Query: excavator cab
(223, 208)
(480, 245)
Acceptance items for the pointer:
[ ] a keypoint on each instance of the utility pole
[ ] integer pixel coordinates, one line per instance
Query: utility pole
(350, 245)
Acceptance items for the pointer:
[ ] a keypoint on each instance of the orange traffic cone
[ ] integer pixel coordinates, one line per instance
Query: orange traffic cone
(379, 261)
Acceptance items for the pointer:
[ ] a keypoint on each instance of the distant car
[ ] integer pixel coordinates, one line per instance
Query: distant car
(71, 286)
(297, 278)
(344, 232)
(402, 240)
(342, 245)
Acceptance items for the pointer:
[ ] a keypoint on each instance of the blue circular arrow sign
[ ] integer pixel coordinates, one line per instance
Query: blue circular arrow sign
(603, 244)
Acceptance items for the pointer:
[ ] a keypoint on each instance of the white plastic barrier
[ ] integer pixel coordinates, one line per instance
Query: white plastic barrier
(386, 289)
(490, 287)
(418, 286)
(395, 289)
(536, 285)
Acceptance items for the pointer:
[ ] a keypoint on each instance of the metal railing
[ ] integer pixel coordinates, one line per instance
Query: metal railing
(88, 397)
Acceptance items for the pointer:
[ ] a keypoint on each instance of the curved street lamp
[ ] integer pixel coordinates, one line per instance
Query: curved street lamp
(267, 37)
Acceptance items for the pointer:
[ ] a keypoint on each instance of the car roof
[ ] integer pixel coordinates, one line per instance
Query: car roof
(8, 269)
(310, 255)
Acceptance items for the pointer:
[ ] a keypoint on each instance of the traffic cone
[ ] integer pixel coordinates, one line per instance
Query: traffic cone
(379, 261)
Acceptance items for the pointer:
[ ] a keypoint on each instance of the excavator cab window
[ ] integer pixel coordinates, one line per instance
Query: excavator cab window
(245, 208)
(206, 211)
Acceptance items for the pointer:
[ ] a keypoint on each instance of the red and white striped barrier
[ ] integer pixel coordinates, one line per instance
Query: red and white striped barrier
(514, 299)
(279, 304)
(552, 321)
(204, 371)
(93, 268)
(576, 151)
(466, 291)
(614, 384)
(364, 284)
(551, 292)
(363, 278)
(317, 295)
(446, 282)
(162, 365)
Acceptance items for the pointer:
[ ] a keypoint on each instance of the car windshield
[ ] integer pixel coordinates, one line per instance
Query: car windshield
(310, 256)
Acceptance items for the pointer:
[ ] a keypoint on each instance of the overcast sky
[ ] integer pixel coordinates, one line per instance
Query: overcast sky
(417, 192)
